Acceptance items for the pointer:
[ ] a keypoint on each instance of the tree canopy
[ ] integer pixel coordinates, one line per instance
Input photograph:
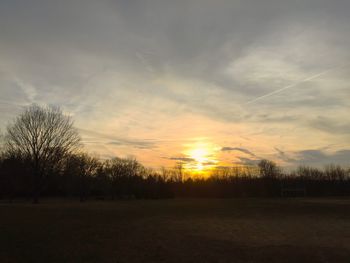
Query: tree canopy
(43, 136)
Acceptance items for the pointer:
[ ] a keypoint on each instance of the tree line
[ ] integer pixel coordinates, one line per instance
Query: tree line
(42, 157)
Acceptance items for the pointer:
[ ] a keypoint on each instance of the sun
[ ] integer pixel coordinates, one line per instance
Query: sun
(202, 156)
(199, 155)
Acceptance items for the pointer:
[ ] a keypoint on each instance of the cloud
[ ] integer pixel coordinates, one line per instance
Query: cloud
(134, 143)
(330, 125)
(138, 70)
(283, 156)
(319, 157)
(247, 161)
(182, 159)
(114, 140)
(292, 85)
(243, 150)
(209, 163)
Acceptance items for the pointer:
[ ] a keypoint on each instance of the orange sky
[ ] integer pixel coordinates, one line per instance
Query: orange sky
(211, 83)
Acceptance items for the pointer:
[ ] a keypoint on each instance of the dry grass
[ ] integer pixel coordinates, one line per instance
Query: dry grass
(180, 230)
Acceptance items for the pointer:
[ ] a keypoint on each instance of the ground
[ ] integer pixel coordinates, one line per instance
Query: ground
(177, 230)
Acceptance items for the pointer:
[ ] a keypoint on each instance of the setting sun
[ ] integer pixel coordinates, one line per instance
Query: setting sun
(202, 157)
(199, 154)
(175, 131)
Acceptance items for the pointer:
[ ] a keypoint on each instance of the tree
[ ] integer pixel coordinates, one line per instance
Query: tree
(179, 174)
(83, 167)
(122, 172)
(43, 136)
(268, 169)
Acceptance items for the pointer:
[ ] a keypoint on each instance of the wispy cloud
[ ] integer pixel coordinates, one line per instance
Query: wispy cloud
(182, 159)
(146, 77)
(119, 141)
(282, 155)
(246, 161)
(293, 85)
(329, 125)
(239, 149)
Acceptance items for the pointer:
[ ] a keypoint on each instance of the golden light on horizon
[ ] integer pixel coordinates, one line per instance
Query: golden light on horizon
(203, 156)
(200, 156)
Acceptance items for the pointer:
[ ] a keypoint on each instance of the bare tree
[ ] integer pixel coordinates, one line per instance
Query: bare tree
(43, 136)
(268, 169)
(179, 174)
(122, 172)
(84, 167)
(1, 142)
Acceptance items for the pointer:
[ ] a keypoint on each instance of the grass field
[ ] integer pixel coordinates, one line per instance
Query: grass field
(179, 230)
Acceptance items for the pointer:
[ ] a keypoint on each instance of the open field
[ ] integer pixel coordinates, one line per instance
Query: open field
(179, 230)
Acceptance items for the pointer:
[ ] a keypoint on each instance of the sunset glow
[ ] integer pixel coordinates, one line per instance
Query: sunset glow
(204, 84)
(164, 131)
(201, 157)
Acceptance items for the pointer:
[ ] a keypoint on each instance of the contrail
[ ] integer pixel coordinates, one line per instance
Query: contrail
(292, 85)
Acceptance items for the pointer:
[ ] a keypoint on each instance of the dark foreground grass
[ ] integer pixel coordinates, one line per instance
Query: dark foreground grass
(201, 230)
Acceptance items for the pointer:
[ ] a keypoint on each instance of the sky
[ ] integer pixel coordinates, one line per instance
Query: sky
(205, 83)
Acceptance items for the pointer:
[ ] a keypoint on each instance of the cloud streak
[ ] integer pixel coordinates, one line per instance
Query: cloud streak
(148, 78)
(239, 149)
(182, 159)
(293, 85)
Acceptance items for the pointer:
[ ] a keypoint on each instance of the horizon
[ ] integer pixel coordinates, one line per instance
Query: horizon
(204, 84)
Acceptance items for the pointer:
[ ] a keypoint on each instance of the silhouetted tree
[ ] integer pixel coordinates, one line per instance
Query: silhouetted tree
(82, 167)
(269, 172)
(268, 169)
(179, 172)
(82, 175)
(114, 170)
(123, 173)
(43, 136)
